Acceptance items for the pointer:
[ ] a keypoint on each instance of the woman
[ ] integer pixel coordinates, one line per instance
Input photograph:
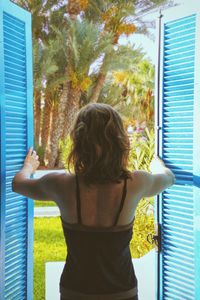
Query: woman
(97, 205)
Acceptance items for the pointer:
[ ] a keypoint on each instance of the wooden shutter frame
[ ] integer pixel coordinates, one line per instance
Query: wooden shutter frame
(24, 16)
(169, 15)
(196, 157)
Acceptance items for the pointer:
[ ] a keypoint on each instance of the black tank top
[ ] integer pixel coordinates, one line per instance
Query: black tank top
(98, 264)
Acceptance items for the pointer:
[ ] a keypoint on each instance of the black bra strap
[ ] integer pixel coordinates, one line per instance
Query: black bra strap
(121, 204)
(78, 202)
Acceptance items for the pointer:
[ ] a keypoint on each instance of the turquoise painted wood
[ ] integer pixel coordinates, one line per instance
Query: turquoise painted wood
(178, 139)
(16, 136)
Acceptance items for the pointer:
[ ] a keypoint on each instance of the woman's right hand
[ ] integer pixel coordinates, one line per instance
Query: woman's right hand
(157, 164)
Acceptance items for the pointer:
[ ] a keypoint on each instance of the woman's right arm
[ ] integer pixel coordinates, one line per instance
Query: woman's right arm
(155, 183)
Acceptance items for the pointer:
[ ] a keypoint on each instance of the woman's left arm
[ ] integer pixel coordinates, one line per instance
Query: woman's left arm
(43, 188)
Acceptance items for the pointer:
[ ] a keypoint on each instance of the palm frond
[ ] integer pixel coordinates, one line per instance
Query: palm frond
(86, 43)
(123, 58)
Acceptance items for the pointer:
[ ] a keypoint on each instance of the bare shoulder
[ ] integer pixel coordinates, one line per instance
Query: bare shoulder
(141, 178)
(61, 178)
(154, 184)
(52, 179)
(52, 175)
(136, 178)
(59, 175)
(135, 184)
(58, 183)
(65, 181)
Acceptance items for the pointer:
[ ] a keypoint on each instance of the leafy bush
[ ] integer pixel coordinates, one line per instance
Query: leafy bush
(140, 156)
(65, 148)
(142, 150)
(40, 203)
(143, 225)
(40, 152)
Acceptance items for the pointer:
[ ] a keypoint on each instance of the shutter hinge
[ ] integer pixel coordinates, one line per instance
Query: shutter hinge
(155, 239)
(158, 127)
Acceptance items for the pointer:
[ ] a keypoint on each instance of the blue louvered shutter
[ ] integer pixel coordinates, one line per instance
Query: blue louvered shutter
(179, 147)
(16, 119)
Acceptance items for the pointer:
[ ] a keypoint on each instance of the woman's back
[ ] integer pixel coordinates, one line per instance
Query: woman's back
(99, 203)
(97, 224)
(98, 261)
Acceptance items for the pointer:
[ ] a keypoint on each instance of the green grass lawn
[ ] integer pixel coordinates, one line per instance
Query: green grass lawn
(49, 245)
(44, 203)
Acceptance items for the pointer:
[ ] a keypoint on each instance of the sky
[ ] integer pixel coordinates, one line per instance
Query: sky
(148, 44)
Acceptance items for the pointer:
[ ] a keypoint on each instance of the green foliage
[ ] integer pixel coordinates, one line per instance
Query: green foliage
(39, 203)
(82, 44)
(65, 147)
(142, 150)
(135, 9)
(49, 245)
(123, 58)
(141, 154)
(43, 63)
(143, 225)
(40, 151)
(87, 43)
(130, 91)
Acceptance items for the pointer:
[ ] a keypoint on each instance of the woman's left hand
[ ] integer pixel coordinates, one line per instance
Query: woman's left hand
(31, 161)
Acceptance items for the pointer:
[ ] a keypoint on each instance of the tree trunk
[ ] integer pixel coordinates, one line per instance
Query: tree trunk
(46, 122)
(71, 111)
(37, 116)
(53, 116)
(58, 127)
(97, 89)
(148, 105)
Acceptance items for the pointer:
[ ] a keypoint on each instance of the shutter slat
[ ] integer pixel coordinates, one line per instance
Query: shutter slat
(180, 254)
(13, 261)
(15, 30)
(17, 294)
(10, 249)
(14, 72)
(14, 44)
(176, 269)
(180, 251)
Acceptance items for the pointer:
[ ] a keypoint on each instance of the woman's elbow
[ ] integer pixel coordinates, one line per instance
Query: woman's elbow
(14, 186)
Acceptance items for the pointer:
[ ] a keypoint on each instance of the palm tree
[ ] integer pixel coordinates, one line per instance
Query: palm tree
(136, 88)
(43, 65)
(120, 17)
(106, 21)
(84, 45)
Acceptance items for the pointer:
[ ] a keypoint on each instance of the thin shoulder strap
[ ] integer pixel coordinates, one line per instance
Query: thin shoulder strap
(121, 204)
(78, 201)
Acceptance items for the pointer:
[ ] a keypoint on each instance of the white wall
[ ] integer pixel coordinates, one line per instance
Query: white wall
(144, 269)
